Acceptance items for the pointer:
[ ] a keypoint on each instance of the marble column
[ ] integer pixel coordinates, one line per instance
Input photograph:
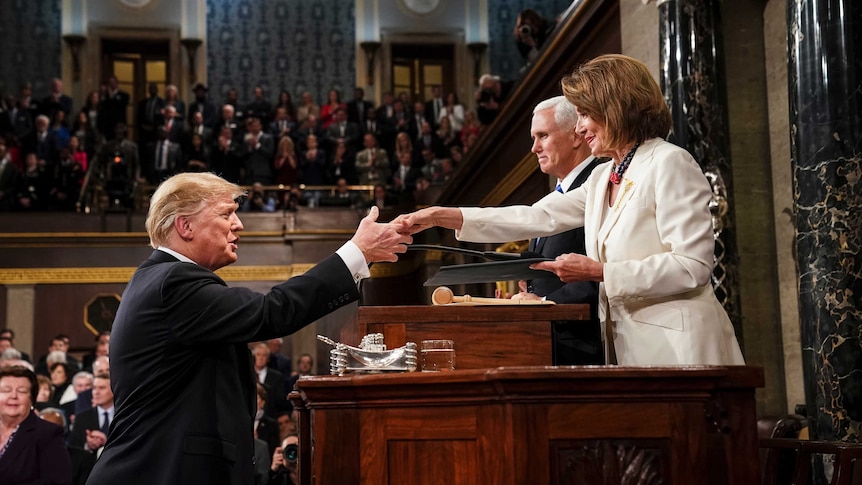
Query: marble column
(691, 73)
(825, 95)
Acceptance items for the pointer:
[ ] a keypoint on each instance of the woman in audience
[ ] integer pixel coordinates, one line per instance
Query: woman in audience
(313, 163)
(59, 128)
(35, 189)
(403, 144)
(285, 102)
(31, 450)
(198, 156)
(342, 165)
(43, 396)
(77, 152)
(453, 111)
(60, 378)
(86, 135)
(327, 111)
(172, 98)
(447, 135)
(471, 126)
(285, 163)
(92, 106)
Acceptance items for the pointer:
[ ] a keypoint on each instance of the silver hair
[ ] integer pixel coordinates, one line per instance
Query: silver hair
(56, 357)
(565, 114)
(83, 375)
(10, 354)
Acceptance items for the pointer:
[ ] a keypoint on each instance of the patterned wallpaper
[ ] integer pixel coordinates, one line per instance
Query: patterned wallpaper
(30, 40)
(505, 60)
(281, 44)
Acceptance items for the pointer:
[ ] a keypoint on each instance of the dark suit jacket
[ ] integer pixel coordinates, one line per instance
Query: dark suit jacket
(36, 455)
(182, 374)
(276, 397)
(267, 431)
(567, 242)
(86, 420)
(353, 111)
(82, 464)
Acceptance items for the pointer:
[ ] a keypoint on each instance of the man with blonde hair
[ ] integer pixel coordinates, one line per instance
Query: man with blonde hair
(180, 366)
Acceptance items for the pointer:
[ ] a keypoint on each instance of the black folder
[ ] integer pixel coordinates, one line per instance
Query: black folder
(504, 267)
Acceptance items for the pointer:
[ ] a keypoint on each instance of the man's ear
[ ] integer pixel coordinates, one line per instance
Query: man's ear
(577, 140)
(182, 225)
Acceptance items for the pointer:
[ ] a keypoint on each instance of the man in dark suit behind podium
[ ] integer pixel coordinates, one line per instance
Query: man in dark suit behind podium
(563, 154)
(181, 372)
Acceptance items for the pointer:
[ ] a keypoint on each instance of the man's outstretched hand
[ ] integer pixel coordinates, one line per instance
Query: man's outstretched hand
(380, 242)
(446, 217)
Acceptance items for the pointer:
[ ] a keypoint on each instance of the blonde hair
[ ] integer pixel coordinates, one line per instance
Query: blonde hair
(285, 144)
(184, 194)
(619, 92)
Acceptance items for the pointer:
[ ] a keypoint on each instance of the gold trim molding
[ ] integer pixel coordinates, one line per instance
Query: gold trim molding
(70, 276)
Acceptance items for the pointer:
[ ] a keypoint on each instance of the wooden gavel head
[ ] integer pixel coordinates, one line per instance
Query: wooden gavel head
(442, 296)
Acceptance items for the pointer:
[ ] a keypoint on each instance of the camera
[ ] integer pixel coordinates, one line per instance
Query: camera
(525, 29)
(291, 453)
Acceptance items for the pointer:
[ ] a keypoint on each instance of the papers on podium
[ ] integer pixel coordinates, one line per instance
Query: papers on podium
(506, 267)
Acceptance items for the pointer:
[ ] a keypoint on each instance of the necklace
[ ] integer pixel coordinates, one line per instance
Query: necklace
(619, 170)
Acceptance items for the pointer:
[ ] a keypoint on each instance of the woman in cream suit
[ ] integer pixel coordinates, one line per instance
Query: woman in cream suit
(648, 230)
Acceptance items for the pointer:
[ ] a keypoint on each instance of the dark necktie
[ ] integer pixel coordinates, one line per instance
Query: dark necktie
(106, 424)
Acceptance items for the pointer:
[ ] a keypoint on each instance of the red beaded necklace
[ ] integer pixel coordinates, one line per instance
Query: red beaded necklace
(619, 170)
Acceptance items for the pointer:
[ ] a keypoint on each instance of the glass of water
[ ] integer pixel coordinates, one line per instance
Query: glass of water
(437, 355)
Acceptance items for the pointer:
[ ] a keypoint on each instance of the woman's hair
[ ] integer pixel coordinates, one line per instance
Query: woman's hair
(619, 92)
(66, 369)
(184, 194)
(18, 371)
(285, 141)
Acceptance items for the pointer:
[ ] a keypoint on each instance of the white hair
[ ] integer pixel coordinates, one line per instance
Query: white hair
(565, 114)
(83, 375)
(55, 357)
(10, 354)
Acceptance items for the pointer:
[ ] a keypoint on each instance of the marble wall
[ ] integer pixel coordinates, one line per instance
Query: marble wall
(281, 44)
(30, 36)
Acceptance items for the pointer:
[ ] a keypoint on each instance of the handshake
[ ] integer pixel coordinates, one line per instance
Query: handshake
(381, 242)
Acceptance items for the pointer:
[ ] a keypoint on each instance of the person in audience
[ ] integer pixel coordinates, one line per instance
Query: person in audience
(312, 163)
(172, 98)
(258, 200)
(282, 125)
(173, 125)
(35, 184)
(304, 367)
(403, 144)
(88, 137)
(328, 110)
(103, 340)
(113, 103)
(648, 210)
(59, 344)
(381, 199)
(43, 142)
(265, 425)
(120, 167)
(489, 98)
(204, 106)
(259, 107)
(271, 379)
(165, 158)
(81, 382)
(180, 369)
(10, 180)
(434, 107)
(311, 127)
(31, 450)
(225, 160)
(229, 120)
(372, 163)
(85, 398)
(232, 100)
(306, 109)
(447, 136)
(8, 333)
(59, 128)
(471, 126)
(417, 119)
(277, 360)
(92, 426)
(428, 141)
(197, 155)
(405, 176)
(282, 470)
(93, 108)
(61, 378)
(257, 155)
(78, 152)
(284, 101)
(68, 176)
(149, 115)
(197, 127)
(343, 163)
(358, 109)
(81, 461)
(56, 101)
(531, 31)
(285, 164)
(286, 425)
(342, 197)
(341, 129)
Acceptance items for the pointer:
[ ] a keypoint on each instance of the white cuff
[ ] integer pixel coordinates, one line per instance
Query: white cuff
(354, 260)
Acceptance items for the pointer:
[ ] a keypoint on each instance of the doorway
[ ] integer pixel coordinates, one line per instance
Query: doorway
(416, 68)
(136, 63)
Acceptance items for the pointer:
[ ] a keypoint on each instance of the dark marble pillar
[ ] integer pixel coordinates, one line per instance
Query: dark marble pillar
(692, 79)
(825, 93)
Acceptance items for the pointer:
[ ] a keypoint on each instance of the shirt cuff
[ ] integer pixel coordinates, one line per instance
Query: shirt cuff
(354, 260)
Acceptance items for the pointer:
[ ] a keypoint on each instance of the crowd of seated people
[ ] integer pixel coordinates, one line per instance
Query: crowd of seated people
(76, 395)
(50, 151)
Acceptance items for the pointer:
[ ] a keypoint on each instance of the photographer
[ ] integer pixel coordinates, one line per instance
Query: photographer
(258, 200)
(489, 98)
(283, 469)
(531, 32)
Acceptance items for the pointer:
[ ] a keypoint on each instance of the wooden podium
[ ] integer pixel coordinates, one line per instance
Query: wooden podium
(531, 425)
(484, 336)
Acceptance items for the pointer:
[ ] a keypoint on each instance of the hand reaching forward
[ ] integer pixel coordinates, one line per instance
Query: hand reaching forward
(573, 267)
(447, 217)
(380, 242)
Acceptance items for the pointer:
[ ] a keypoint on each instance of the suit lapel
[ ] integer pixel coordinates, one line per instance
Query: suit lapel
(21, 437)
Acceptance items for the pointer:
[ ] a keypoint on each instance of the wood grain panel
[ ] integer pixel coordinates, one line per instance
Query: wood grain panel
(609, 420)
(433, 462)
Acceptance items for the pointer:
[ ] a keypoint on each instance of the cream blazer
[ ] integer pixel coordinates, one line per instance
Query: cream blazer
(656, 243)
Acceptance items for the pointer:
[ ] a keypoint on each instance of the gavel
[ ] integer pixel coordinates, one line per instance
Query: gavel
(443, 296)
